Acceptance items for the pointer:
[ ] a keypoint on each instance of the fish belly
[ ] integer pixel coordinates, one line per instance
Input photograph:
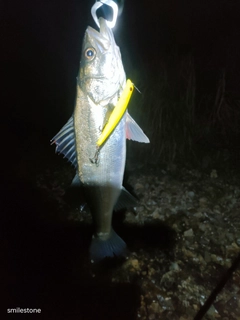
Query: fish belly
(102, 181)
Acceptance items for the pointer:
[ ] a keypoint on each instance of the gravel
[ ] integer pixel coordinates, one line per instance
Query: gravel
(183, 237)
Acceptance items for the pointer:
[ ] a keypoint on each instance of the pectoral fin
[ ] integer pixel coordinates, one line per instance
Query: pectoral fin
(65, 142)
(134, 132)
(76, 182)
(74, 195)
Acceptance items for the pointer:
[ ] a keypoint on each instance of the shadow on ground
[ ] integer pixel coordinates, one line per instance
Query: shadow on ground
(47, 263)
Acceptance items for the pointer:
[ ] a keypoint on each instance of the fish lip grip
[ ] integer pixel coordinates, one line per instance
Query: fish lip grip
(117, 113)
(98, 4)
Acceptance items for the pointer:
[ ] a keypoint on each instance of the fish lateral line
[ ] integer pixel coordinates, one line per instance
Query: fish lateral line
(117, 113)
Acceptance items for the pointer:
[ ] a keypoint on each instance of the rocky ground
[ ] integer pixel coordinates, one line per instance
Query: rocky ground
(182, 237)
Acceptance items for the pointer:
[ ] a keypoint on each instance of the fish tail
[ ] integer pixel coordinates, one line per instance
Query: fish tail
(114, 246)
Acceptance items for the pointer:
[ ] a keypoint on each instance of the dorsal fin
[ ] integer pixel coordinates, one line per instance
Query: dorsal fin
(65, 142)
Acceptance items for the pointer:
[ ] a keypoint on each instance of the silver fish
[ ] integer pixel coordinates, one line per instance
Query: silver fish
(100, 172)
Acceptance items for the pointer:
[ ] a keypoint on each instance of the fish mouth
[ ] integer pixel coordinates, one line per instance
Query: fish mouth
(103, 38)
(102, 76)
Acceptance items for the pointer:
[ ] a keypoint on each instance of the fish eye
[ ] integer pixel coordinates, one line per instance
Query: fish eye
(90, 53)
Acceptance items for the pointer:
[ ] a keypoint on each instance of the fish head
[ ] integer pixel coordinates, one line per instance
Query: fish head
(101, 74)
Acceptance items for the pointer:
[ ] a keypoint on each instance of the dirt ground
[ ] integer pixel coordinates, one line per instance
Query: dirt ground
(183, 237)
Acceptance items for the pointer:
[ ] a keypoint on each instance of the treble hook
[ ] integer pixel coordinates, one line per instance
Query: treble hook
(112, 4)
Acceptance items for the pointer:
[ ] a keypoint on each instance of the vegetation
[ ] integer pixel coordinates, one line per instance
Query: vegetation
(178, 119)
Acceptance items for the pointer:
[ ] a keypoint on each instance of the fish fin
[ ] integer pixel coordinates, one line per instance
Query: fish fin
(73, 193)
(134, 132)
(65, 142)
(76, 182)
(112, 247)
(125, 200)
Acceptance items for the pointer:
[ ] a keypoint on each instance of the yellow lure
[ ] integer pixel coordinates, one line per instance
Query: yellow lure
(117, 112)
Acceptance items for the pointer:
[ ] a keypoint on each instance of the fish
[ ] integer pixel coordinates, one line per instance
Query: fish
(99, 171)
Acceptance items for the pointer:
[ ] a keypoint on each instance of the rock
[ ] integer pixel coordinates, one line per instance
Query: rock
(203, 202)
(156, 214)
(188, 233)
(130, 217)
(211, 311)
(207, 256)
(154, 307)
(213, 174)
(174, 266)
(202, 227)
(191, 194)
(139, 187)
(135, 264)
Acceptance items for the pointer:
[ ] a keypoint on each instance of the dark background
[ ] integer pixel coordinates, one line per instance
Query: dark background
(40, 55)
(40, 52)
(41, 47)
